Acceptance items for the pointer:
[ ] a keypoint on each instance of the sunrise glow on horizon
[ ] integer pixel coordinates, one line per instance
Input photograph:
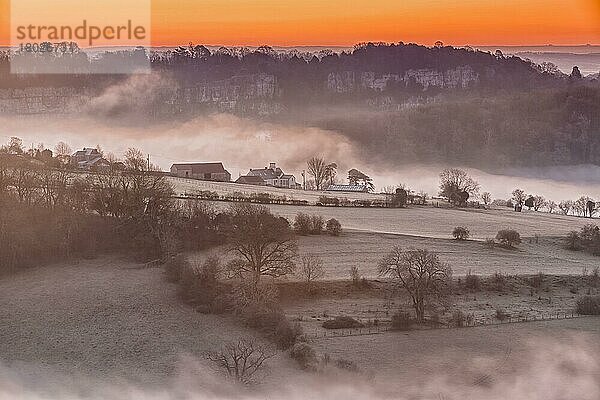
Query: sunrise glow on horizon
(344, 23)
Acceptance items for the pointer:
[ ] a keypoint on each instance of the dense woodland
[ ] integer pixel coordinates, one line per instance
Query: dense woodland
(543, 127)
(298, 73)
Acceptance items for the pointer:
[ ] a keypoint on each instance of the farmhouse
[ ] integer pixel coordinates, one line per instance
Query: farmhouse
(89, 159)
(205, 171)
(274, 176)
(348, 188)
(251, 180)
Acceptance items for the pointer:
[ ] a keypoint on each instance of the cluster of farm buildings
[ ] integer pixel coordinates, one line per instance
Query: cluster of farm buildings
(268, 176)
(272, 175)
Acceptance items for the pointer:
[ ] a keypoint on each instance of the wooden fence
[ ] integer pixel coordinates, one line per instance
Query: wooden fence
(379, 329)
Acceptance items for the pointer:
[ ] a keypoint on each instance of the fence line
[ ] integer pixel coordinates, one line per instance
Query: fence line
(376, 330)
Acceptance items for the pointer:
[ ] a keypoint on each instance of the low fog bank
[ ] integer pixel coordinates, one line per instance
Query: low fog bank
(242, 143)
(547, 370)
(555, 183)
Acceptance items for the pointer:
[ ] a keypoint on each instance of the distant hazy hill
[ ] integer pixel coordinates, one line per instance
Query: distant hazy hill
(588, 63)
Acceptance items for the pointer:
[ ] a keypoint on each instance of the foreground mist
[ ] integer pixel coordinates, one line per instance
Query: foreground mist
(553, 371)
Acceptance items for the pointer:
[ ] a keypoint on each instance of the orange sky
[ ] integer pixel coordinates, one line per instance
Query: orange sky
(345, 22)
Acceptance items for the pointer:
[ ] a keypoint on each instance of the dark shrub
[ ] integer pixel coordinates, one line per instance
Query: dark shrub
(303, 224)
(355, 276)
(572, 241)
(174, 268)
(594, 279)
(458, 318)
(508, 238)
(401, 321)
(588, 305)
(329, 201)
(334, 228)
(501, 315)
(588, 238)
(346, 365)
(263, 318)
(258, 307)
(188, 283)
(589, 233)
(305, 356)
(342, 322)
(470, 319)
(498, 282)
(537, 280)
(460, 233)
(203, 286)
(286, 333)
(472, 282)
(316, 224)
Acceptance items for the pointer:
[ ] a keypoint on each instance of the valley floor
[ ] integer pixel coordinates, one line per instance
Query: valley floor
(112, 320)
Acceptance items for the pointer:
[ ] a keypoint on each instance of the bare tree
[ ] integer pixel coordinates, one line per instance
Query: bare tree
(551, 205)
(111, 158)
(62, 152)
(457, 185)
(538, 202)
(519, 197)
(241, 360)
(14, 146)
(54, 185)
(5, 178)
(311, 270)
(420, 273)
(264, 244)
(135, 160)
(486, 197)
(580, 206)
(24, 179)
(565, 206)
(318, 169)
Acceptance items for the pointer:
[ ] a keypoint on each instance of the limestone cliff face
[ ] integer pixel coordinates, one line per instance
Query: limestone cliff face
(229, 92)
(247, 93)
(341, 82)
(256, 94)
(38, 100)
(349, 81)
(460, 77)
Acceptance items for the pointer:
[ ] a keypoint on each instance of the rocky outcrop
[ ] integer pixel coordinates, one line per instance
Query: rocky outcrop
(39, 100)
(247, 93)
(234, 89)
(349, 81)
(457, 78)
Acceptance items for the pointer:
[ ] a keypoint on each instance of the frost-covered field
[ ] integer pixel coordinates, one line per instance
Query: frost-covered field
(369, 233)
(190, 187)
(438, 222)
(364, 250)
(107, 326)
(104, 318)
